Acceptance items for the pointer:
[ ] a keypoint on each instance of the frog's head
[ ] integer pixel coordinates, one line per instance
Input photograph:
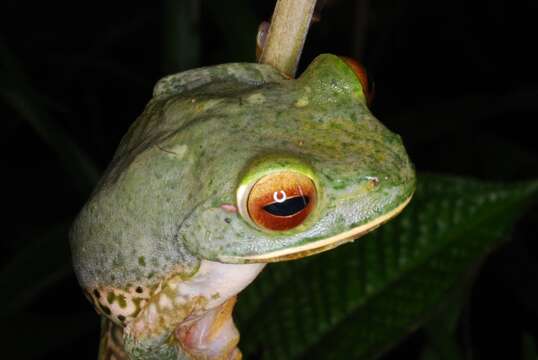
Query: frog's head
(307, 167)
(295, 167)
(236, 164)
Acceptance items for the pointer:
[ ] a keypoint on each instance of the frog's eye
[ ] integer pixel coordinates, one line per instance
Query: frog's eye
(281, 201)
(361, 74)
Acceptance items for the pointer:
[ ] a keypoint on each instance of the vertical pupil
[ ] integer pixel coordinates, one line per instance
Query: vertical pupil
(289, 207)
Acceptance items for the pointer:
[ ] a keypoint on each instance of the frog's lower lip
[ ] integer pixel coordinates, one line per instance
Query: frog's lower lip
(329, 243)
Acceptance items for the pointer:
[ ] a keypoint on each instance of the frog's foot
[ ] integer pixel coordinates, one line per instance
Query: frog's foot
(212, 336)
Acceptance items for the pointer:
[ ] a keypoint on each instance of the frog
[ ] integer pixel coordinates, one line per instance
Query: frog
(228, 168)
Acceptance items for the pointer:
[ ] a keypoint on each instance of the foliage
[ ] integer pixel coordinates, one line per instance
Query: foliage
(357, 300)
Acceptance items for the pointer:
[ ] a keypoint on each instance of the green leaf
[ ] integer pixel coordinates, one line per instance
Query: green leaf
(441, 330)
(358, 300)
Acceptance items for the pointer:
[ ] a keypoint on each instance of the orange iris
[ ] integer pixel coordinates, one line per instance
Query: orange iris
(281, 201)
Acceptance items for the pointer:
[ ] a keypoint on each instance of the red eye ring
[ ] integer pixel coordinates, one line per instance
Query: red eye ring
(361, 74)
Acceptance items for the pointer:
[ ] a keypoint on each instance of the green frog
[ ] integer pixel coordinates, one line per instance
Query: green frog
(229, 168)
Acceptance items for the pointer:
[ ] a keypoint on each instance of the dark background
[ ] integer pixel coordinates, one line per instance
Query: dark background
(456, 79)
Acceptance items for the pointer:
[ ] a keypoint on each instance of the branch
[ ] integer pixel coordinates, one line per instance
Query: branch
(287, 34)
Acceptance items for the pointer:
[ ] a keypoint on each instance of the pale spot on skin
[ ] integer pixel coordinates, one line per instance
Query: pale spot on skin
(210, 104)
(180, 300)
(204, 105)
(165, 302)
(152, 313)
(302, 102)
(229, 208)
(256, 98)
(177, 151)
(172, 285)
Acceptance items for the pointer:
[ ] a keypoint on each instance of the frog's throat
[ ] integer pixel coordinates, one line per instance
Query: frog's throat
(329, 243)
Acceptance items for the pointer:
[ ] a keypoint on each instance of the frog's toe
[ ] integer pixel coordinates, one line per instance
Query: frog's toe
(213, 336)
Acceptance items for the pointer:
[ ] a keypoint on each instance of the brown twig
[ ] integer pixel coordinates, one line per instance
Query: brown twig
(287, 34)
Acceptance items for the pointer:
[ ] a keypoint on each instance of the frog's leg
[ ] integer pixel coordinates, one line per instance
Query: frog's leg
(191, 318)
(111, 345)
(213, 336)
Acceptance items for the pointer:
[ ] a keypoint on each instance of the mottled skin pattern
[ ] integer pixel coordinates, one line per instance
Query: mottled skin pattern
(159, 247)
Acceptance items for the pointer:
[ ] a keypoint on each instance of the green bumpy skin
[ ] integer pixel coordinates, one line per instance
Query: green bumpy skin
(159, 210)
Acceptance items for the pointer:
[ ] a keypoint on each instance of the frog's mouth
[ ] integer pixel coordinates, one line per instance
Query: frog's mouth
(328, 243)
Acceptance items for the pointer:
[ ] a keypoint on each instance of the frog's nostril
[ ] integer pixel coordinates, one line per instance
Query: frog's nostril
(373, 182)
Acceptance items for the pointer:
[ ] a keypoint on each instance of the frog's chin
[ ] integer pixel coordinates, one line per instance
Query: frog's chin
(324, 244)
